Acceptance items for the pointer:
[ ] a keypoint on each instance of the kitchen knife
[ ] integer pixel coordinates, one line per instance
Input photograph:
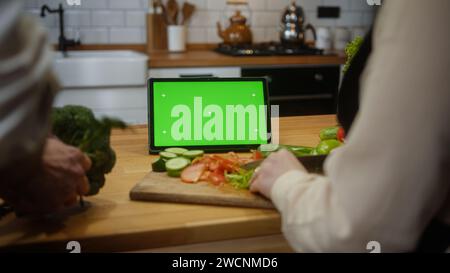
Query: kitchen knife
(313, 163)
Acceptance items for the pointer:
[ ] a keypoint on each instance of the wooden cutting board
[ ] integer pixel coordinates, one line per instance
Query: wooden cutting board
(160, 187)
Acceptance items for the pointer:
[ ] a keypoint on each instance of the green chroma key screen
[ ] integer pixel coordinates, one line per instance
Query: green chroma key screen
(208, 113)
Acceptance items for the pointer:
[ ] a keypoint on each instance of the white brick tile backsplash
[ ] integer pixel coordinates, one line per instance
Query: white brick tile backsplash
(53, 34)
(144, 4)
(272, 34)
(126, 36)
(259, 34)
(322, 22)
(125, 4)
(358, 31)
(216, 4)
(71, 33)
(50, 3)
(212, 36)
(135, 18)
(368, 18)
(309, 5)
(199, 4)
(256, 5)
(196, 35)
(265, 19)
(205, 19)
(359, 5)
(343, 4)
(199, 20)
(54, 3)
(94, 4)
(94, 36)
(349, 19)
(77, 18)
(277, 5)
(123, 21)
(108, 18)
(311, 17)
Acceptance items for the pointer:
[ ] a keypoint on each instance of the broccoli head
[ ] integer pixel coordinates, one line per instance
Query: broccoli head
(77, 126)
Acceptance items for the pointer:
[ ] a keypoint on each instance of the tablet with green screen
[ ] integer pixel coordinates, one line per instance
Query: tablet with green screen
(213, 114)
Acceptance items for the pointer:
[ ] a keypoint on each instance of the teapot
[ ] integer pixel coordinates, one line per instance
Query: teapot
(238, 32)
(292, 25)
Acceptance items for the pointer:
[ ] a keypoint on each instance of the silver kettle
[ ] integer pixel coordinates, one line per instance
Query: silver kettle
(293, 25)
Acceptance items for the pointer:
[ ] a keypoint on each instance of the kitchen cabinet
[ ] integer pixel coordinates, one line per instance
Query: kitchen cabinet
(127, 103)
(300, 90)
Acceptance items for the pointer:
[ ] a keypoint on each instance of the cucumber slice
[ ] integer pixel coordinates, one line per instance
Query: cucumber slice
(167, 155)
(193, 154)
(268, 148)
(159, 165)
(177, 151)
(329, 133)
(300, 150)
(175, 166)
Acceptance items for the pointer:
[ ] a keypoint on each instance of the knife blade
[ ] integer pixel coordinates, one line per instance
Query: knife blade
(313, 163)
(252, 165)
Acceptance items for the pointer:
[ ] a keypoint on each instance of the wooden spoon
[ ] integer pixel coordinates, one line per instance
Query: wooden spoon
(172, 11)
(158, 5)
(187, 10)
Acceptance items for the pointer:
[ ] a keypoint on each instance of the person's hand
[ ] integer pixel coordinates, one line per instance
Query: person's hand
(60, 182)
(271, 169)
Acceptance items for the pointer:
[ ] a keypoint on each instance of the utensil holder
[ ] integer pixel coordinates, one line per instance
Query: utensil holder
(176, 38)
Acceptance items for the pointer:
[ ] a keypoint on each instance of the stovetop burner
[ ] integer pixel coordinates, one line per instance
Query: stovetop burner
(267, 49)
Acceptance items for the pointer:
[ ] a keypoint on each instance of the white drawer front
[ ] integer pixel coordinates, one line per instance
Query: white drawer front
(128, 104)
(221, 72)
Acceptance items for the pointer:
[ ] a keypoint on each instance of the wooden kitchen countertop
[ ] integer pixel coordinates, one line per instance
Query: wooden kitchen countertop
(113, 222)
(203, 55)
(207, 58)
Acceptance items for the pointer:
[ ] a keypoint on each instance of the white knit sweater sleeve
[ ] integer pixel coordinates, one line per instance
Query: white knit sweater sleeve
(391, 177)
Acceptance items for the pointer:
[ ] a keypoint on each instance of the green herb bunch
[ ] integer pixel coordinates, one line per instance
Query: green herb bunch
(351, 50)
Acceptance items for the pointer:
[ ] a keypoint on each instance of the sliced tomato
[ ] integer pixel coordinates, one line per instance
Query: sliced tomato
(204, 176)
(216, 178)
(222, 159)
(212, 168)
(214, 165)
(193, 173)
(341, 134)
(257, 155)
(225, 164)
(235, 158)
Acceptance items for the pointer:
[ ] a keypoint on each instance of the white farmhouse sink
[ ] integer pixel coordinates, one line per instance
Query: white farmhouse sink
(100, 68)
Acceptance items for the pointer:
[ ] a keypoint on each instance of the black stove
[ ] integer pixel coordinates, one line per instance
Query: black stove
(268, 49)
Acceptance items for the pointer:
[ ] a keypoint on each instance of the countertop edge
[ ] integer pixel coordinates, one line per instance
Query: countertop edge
(140, 240)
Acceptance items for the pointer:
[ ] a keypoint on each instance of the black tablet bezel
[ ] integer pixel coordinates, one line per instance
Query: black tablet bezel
(207, 148)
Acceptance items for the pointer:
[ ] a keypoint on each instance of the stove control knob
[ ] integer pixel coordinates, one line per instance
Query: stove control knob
(318, 77)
